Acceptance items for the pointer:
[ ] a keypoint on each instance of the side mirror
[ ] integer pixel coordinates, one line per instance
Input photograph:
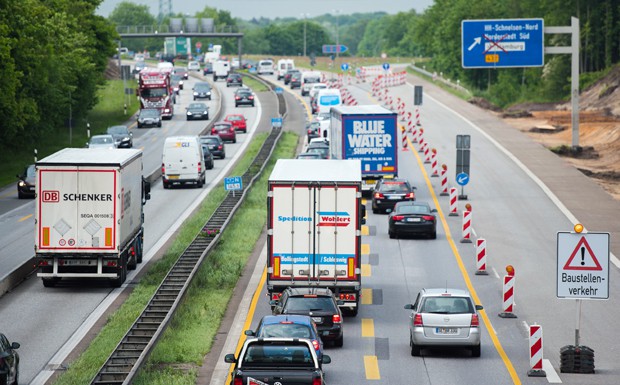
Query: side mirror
(146, 189)
(230, 359)
(326, 359)
(433, 210)
(479, 307)
(249, 333)
(409, 306)
(15, 345)
(363, 214)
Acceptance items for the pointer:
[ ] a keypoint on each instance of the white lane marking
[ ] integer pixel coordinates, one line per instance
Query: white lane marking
(495, 273)
(526, 327)
(527, 171)
(552, 375)
(62, 354)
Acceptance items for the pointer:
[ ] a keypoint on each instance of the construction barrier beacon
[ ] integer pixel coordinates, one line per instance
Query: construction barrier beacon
(444, 180)
(466, 227)
(453, 200)
(508, 292)
(404, 135)
(536, 352)
(481, 256)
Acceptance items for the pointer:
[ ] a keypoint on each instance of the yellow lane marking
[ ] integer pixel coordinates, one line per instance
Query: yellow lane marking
(365, 230)
(368, 327)
(364, 201)
(303, 103)
(366, 270)
(371, 365)
(365, 248)
(366, 296)
(7, 194)
(466, 278)
(24, 218)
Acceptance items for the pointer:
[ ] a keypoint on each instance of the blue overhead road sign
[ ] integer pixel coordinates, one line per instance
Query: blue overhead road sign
(502, 43)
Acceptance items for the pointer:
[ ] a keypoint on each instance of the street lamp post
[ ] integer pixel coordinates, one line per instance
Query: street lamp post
(305, 15)
(337, 11)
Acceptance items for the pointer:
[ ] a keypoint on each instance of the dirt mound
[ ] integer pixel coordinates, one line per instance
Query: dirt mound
(112, 71)
(603, 95)
(483, 103)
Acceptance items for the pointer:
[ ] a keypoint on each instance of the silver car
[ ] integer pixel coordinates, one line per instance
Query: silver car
(101, 141)
(444, 317)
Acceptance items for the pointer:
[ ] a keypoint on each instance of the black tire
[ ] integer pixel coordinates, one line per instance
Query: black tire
(416, 350)
(50, 282)
(375, 210)
(166, 185)
(391, 234)
(211, 165)
(16, 382)
(234, 140)
(117, 282)
(199, 183)
(236, 105)
(207, 118)
(353, 312)
(132, 263)
(194, 98)
(434, 235)
(20, 195)
(188, 118)
(139, 125)
(475, 351)
(339, 342)
(209, 98)
(159, 124)
(223, 156)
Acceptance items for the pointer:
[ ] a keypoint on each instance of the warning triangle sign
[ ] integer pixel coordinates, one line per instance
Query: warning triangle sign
(582, 258)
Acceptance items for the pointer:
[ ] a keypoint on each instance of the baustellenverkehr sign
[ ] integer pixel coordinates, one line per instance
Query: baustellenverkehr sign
(502, 43)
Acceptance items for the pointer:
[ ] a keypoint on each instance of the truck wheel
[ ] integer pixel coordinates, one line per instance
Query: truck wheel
(132, 262)
(339, 342)
(199, 183)
(122, 276)
(50, 282)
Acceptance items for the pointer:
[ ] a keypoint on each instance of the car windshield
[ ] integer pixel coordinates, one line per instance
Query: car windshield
(413, 209)
(101, 140)
(149, 113)
(30, 171)
(221, 127)
(154, 92)
(295, 304)
(210, 141)
(397, 187)
(176, 78)
(202, 87)
(284, 355)
(447, 305)
(117, 130)
(284, 330)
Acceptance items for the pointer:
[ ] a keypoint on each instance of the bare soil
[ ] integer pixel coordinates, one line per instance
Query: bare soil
(599, 130)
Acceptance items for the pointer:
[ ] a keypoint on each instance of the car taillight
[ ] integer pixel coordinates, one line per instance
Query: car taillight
(238, 381)
(398, 217)
(199, 167)
(220, 147)
(411, 195)
(276, 296)
(232, 129)
(475, 322)
(347, 296)
(237, 98)
(378, 195)
(316, 381)
(417, 320)
(428, 217)
(251, 97)
(163, 169)
(316, 345)
(336, 319)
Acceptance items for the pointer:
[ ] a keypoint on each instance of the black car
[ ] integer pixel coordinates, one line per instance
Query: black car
(248, 63)
(216, 145)
(318, 303)
(149, 117)
(208, 68)
(320, 147)
(234, 79)
(26, 187)
(295, 81)
(9, 361)
(197, 111)
(244, 97)
(123, 138)
(208, 156)
(313, 130)
(310, 155)
(388, 192)
(177, 83)
(202, 90)
(410, 218)
(289, 73)
(182, 71)
(139, 67)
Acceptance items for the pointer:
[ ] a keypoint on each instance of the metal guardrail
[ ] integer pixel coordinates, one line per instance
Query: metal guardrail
(439, 78)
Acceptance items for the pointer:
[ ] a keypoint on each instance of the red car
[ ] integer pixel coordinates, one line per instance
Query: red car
(238, 121)
(225, 130)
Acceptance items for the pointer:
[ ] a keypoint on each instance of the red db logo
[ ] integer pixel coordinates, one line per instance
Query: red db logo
(51, 196)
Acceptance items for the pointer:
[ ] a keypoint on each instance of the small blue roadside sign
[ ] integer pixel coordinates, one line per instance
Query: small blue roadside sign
(234, 183)
(278, 90)
(462, 179)
(332, 48)
(252, 70)
(276, 122)
(386, 66)
(502, 43)
(344, 66)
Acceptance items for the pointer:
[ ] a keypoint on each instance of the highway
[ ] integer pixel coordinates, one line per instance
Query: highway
(50, 323)
(521, 196)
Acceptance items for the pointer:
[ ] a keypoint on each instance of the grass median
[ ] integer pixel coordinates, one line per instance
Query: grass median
(189, 337)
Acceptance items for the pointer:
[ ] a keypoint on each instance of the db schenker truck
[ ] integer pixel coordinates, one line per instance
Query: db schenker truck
(368, 133)
(314, 228)
(88, 214)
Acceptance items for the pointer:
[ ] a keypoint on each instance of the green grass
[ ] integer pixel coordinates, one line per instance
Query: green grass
(442, 85)
(255, 85)
(190, 335)
(109, 111)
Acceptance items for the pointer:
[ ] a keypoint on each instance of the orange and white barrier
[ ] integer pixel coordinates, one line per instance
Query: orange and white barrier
(481, 256)
(427, 153)
(508, 301)
(404, 136)
(444, 180)
(453, 202)
(536, 352)
(417, 116)
(434, 163)
(466, 227)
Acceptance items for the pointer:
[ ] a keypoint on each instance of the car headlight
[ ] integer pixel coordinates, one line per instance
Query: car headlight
(189, 112)
(209, 93)
(22, 183)
(195, 93)
(205, 112)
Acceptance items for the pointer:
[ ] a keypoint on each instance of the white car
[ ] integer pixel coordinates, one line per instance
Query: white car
(193, 66)
(314, 89)
(101, 141)
(234, 63)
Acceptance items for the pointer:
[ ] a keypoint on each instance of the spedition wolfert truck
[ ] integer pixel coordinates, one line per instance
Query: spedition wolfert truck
(89, 215)
(368, 133)
(314, 228)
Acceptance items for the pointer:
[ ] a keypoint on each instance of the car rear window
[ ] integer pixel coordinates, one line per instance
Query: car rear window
(394, 186)
(291, 330)
(222, 127)
(447, 305)
(413, 209)
(310, 304)
(282, 355)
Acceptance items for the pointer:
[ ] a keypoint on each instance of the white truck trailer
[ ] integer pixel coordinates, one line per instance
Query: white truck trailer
(88, 214)
(314, 235)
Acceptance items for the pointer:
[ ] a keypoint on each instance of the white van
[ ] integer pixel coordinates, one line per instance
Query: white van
(283, 66)
(328, 98)
(221, 69)
(183, 161)
(308, 78)
(165, 65)
(265, 67)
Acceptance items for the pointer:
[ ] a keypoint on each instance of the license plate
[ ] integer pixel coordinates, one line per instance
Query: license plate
(446, 330)
(79, 262)
(394, 197)
(173, 177)
(198, 115)
(414, 220)
(370, 181)
(317, 319)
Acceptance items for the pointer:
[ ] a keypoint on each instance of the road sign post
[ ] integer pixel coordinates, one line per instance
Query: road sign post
(233, 183)
(463, 145)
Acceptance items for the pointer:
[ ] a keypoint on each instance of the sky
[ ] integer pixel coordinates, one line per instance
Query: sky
(248, 9)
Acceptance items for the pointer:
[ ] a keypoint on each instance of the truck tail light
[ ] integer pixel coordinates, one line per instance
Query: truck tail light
(475, 322)
(347, 296)
(44, 262)
(398, 217)
(111, 263)
(163, 169)
(378, 195)
(199, 167)
(238, 381)
(315, 381)
(336, 319)
(417, 320)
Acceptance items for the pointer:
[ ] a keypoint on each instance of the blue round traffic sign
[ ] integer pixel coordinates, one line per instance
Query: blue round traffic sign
(344, 66)
(462, 179)
(386, 66)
